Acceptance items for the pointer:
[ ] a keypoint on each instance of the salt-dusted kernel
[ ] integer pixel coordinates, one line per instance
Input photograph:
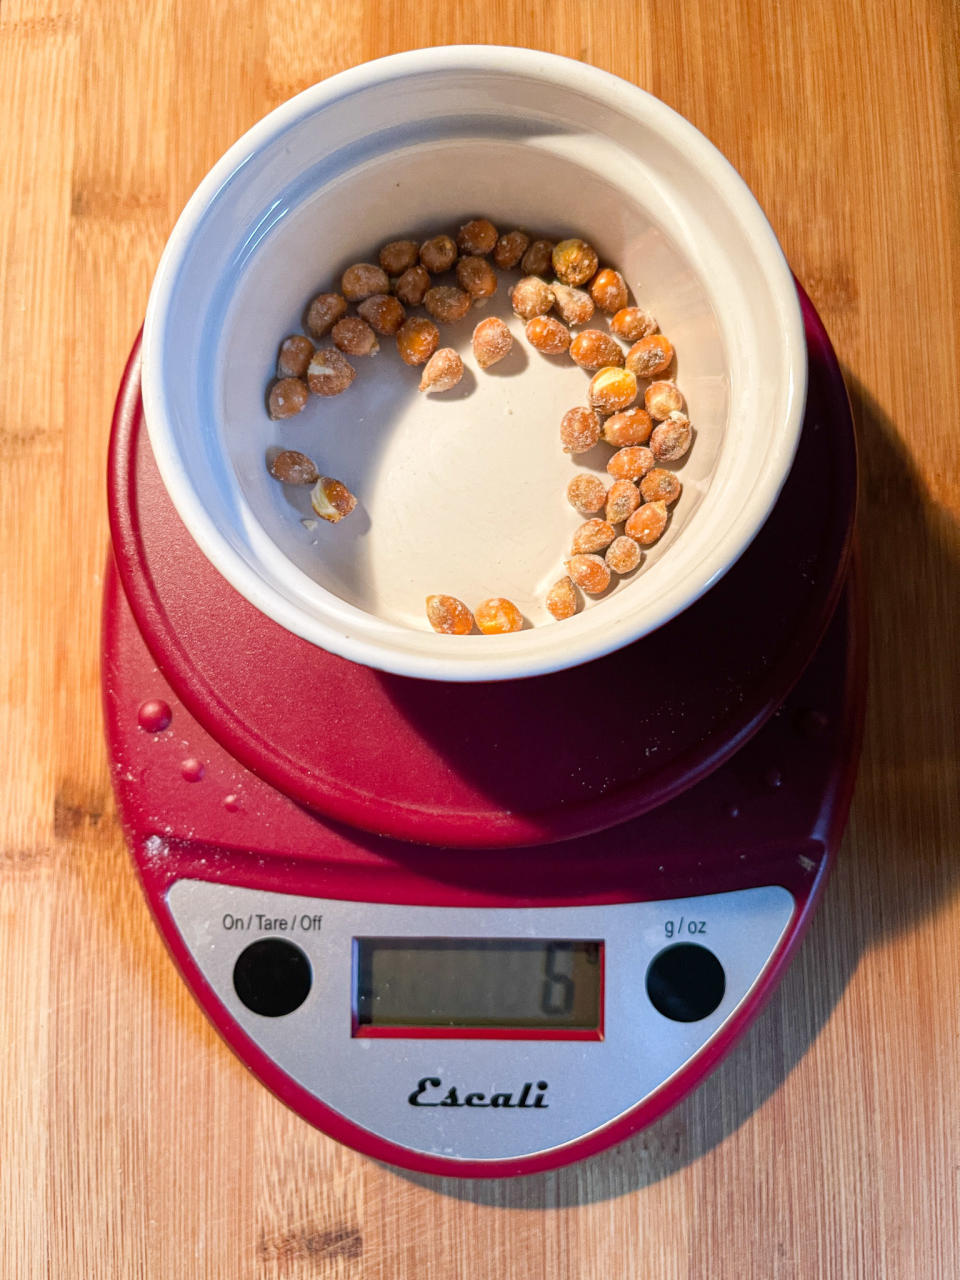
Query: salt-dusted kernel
(449, 616)
(579, 430)
(647, 523)
(623, 498)
(362, 280)
(498, 616)
(412, 286)
(660, 486)
(323, 313)
(329, 372)
(672, 438)
(589, 572)
(537, 259)
(594, 349)
(586, 493)
(446, 303)
(574, 261)
(661, 399)
(295, 355)
(399, 256)
(442, 371)
(593, 535)
(632, 324)
(623, 555)
(476, 276)
(562, 599)
(631, 462)
(331, 499)
(548, 335)
(417, 340)
(612, 389)
(354, 337)
(531, 297)
(574, 306)
(510, 248)
(287, 397)
(650, 356)
(492, 340)
(383, 313)
(292, 467)
(479, 235)
(608, 289)
(631, 426)
(438, 254)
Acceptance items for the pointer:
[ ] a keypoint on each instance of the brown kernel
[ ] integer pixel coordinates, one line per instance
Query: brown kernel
(287, 397)
(650, 356)
(412, 286)
(329, 373)
(562, 599)
(647, 523)
(295, 354)
(579, 430)
(633, 323)
(593, 535)
(399, 256)
(331, 499)
(608, 289)
(531, 297)
(548, 335)
(623, 499)
(442, 371)
(537, 259)
(612, 389)
(492, 340)
(362, 280)
(449, 616)
(383, 313)
(586, 493)
(417, 340)
(631, 426)
(661, 399)
(510, 248)
(477, 277)
(623, 555)
(438, 254)
(447, 303)
(660, 486)
(574, 306)
(498, 616)
(671, 440)
(589, 572)
(479, 235)
(292, 467)
(355, 337)
(594, 349)
(324, 312)
(574, 261)
(631, 463)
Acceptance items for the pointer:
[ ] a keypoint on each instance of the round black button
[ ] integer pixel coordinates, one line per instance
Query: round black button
(272, 977)
(685, 982)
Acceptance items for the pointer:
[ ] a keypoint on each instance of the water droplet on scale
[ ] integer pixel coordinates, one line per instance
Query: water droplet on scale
(154, 715)
(191, 769)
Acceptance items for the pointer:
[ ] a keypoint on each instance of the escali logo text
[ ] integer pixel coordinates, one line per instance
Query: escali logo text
(427, 1094)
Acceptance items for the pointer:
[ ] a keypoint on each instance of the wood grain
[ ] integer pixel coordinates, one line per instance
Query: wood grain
(133, 1143)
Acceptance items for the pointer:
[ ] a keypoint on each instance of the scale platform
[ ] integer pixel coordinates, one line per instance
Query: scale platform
(487, 930)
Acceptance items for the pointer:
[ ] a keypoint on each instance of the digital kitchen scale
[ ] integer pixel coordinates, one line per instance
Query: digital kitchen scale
(485, 930)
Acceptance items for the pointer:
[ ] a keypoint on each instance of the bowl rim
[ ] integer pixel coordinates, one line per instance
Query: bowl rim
(472, 658)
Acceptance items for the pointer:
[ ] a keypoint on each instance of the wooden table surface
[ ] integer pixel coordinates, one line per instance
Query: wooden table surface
(132, 1142)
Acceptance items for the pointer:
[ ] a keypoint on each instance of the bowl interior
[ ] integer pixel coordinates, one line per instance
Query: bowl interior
(464, 492)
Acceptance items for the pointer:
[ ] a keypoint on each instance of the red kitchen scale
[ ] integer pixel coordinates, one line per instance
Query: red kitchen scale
(486, 930)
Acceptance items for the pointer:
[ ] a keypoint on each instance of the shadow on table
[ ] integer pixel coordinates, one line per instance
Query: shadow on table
(897, 865)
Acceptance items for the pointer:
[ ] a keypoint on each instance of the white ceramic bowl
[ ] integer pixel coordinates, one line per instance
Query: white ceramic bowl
(463, 493)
